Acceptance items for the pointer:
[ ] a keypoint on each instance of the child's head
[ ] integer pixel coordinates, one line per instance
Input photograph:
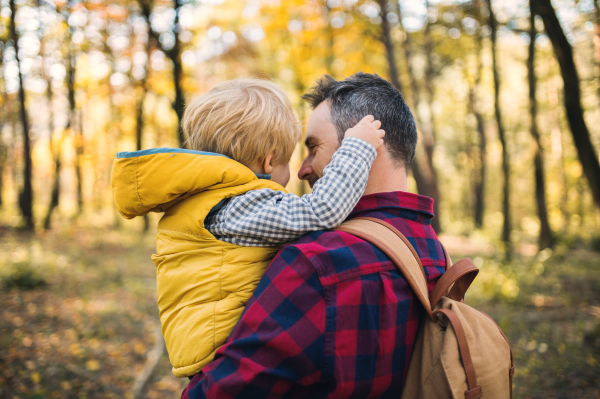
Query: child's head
(249, 120)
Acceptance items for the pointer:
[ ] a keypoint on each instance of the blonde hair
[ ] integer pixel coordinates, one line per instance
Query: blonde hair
(243, 119)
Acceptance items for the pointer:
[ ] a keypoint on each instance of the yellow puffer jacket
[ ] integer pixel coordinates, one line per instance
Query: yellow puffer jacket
(203, 283)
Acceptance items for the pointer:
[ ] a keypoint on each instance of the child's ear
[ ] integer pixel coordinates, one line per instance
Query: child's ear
(268, 163)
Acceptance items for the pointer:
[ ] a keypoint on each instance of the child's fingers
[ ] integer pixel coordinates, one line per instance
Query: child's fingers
(376, 124)
(381, 133)
(367, 119)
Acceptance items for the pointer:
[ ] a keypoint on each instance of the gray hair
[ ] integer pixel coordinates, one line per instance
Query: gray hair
(368, 94)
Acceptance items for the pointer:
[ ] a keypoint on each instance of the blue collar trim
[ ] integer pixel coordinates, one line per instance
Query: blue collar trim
(135, 154)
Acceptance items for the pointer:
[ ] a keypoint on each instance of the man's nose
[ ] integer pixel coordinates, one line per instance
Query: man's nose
(305, 170)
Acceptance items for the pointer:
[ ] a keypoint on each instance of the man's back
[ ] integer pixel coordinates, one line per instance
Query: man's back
(332, 317)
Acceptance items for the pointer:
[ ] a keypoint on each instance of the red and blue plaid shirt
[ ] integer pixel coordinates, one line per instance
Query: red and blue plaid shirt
(332, 316)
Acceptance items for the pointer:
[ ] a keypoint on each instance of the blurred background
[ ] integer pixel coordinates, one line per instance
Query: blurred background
(506, 98)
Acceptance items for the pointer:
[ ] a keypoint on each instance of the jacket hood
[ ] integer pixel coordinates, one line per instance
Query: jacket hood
(154, 180)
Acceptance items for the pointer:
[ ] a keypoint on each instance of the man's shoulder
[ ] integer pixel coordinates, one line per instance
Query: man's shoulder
(336, 255)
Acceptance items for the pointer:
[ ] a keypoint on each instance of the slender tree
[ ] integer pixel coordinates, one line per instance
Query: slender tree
(572, 95)
(429, 128)
(386, 39)
(4, 115)
(506, 226)
(139, 107)
(545, 238)
(174, 54)
(55, 151)
(474, 108)
(26, 194)
(330, 34)
(597, 38)
(74, 119)
(557, 147)
(422, 170)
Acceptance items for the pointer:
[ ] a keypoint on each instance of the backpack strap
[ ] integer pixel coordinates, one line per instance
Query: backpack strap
(461, 274)
(393, 243)
(474, 391)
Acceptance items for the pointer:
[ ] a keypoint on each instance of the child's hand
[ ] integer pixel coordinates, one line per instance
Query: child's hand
(368, 130)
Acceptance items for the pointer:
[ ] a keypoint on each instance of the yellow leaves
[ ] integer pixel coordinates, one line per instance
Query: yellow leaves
(92, 365)
(32, 308)
(54, 339)
(35, 377)
(27, 342)
(65, 385)
(126, 348)
(140, 348)
(71, 334)
(74, 349)
(591, 361)
(50, 311)
(128, 124)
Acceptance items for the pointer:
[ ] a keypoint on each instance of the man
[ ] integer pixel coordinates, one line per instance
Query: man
(333, 316)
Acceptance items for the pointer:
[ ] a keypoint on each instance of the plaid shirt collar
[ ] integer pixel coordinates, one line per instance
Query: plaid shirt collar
(396, 200)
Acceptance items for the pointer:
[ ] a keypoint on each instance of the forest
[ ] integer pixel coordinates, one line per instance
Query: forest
(505, 94)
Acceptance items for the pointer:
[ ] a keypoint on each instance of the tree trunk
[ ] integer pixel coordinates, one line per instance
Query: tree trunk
(3, 157)
(478, 178)
(423, 171)
(4, 116)
(26, 195)
(174, 55)
(572, 96)
(330, 58)
(139, 110)
(506, 226)
(546, 238)
(557, 149)
(429, 130)
(386, 39)
(74, 126)
(54, 153)
(597, 38)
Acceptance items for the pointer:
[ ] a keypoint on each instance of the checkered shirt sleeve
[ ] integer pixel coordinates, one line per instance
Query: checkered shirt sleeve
(267, 217)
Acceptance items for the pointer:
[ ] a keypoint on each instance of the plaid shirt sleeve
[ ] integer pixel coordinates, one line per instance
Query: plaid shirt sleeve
(279, 341)
(266, 217)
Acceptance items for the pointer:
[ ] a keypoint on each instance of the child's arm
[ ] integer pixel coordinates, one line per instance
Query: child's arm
(266, 217)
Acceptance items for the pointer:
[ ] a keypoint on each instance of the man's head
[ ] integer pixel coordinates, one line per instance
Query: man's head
(339, 105)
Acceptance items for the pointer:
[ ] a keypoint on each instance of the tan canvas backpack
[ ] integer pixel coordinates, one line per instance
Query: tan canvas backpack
(460, 352)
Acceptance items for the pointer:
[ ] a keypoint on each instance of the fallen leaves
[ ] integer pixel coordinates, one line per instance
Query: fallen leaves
(86, 333)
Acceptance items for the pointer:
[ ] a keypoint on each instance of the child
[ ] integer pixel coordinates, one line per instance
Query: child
(226, 211)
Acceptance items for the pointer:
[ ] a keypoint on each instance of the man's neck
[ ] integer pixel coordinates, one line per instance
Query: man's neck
(385, 176)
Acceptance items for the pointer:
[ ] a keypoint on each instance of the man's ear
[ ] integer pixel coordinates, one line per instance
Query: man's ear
(268, 162)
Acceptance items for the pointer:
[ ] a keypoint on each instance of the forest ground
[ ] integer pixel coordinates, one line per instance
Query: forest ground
(78, 315)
